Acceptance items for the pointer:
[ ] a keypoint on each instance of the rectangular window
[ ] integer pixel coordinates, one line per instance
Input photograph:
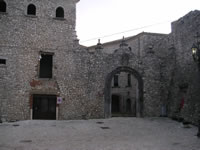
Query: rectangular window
(3, 61)
(116, 80)
(129, 80)
(46, 64)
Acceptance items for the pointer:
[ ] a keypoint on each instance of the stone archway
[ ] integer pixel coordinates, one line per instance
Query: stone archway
(139, 101)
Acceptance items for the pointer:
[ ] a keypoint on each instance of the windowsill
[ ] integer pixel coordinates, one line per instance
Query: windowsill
(31, 16)
(128, 86)
(45, 78)
(3, 13)
(116, 87)
(59, 18)
(2, 65)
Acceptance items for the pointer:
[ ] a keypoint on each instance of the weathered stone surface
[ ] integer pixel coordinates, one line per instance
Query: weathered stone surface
(161, 64)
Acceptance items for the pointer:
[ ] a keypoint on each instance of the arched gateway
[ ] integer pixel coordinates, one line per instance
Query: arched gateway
(139, 101)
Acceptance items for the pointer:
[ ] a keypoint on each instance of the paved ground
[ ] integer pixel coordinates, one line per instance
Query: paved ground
(101, 134)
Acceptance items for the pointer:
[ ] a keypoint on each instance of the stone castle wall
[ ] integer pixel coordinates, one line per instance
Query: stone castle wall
(23, 38)
(186, 75)
(162, 64)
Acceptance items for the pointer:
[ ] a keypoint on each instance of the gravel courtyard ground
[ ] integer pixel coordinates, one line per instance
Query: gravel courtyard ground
(99, 134)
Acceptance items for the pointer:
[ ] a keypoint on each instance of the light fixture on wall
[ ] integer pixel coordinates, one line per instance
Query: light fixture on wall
(196, 49)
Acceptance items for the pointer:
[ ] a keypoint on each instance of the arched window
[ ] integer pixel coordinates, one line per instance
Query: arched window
(2, 6)
(60, 12)
(31, 9)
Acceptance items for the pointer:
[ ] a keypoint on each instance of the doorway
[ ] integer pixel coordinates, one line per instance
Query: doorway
(128, 106)
(44, 107)
(115, 104)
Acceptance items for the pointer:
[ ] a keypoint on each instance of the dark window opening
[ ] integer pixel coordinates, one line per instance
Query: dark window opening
(2, 61)
(59, 12)
(116, 80)
(46, 63)
(129, 80)
(2, 6)
(31, 10)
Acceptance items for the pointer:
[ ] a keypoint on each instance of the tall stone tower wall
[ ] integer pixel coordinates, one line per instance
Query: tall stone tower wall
(24, 37)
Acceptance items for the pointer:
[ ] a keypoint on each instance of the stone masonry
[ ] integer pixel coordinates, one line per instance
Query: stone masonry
(161, 64)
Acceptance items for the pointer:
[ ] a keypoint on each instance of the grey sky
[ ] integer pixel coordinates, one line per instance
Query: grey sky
(99, 18)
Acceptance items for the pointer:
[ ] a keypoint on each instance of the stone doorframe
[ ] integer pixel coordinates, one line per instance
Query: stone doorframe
(31, 105)
(107, 91)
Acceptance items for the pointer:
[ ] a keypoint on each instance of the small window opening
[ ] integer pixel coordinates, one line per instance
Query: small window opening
(46, 63)
(116, 80)
(2, 6)
(59, 12)
(129, 80)
(31, 10)
(2, 61)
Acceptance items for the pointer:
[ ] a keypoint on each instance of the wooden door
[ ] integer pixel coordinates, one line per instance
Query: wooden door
(44, 107)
